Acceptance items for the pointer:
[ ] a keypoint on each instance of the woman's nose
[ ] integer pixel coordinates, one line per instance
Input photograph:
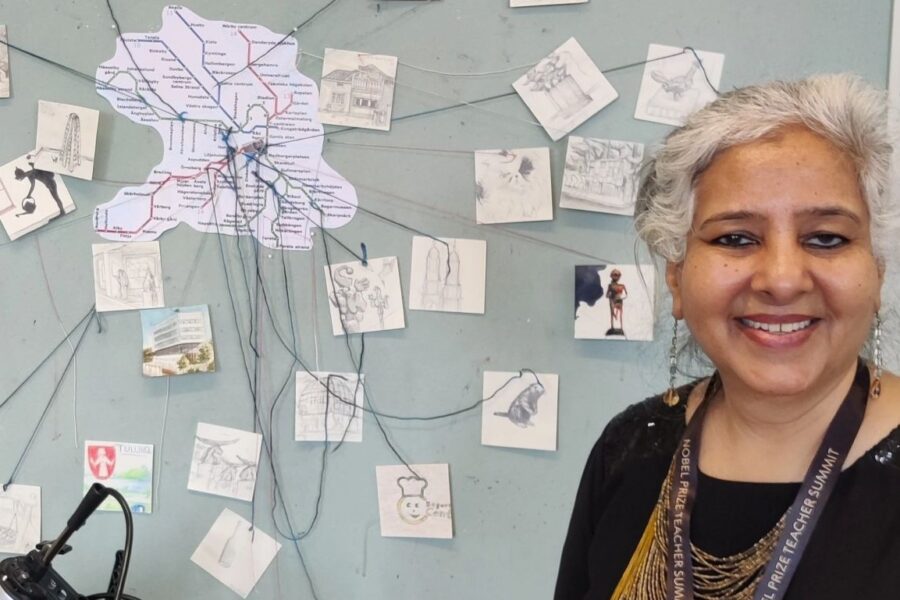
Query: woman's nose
(782, 270)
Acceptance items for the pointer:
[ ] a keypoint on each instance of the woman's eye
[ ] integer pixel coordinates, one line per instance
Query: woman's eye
(826, 240)
(734, 240)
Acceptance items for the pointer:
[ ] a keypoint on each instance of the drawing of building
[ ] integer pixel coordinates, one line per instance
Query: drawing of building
(341, 405)
(182, 333)
(365, 93)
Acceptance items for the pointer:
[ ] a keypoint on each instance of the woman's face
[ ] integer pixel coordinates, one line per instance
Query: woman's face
(779, 284)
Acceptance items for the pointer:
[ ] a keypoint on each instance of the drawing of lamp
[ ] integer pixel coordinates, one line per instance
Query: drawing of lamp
(412, 505)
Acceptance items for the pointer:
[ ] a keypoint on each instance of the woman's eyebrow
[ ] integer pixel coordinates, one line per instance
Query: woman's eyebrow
(831, 211)
(816, 211)
(730, 215)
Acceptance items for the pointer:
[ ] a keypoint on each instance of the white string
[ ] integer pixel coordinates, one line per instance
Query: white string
(315, 308)
(37, 243)
(162, 442)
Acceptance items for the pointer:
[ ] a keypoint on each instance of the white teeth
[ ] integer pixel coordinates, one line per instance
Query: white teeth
(778, 327)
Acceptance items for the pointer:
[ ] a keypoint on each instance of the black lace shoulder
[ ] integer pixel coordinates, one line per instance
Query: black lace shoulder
(887, 451)
(647, 429)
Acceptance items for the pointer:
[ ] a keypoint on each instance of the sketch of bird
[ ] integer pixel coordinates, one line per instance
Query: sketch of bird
(677, 85)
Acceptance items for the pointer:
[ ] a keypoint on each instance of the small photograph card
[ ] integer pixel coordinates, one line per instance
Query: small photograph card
(365, 298)
(177, 341)
(236, 553)
(513, 186)
(66, 139)
(520, 410)
(124, 466)
(30, 198)
(448, 275)
(601, 175)
(127, 276)
(672, 88)
(614, 302)
(565, 89)
(225, 461)
(357, 89)
(342, 394)
(20, 519)
(415, 503)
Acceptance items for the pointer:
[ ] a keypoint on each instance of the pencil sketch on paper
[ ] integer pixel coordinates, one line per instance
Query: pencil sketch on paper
(601, 175)
(177, 341)
(366, 297)
(225, 461)
(523, 3)
(672, 88)
(357, 89)
(342, 394)
(626, 314)
(125, 466)
(520, 410)
(4, 64)
(447, 274)
(236, 553)
(565, 89)
(127, 276)
(20, 519)
(513, 185)
(30, 198)
(415, 501)
(66, 139)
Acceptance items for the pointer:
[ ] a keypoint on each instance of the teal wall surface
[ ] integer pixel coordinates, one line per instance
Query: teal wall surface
(511, 507)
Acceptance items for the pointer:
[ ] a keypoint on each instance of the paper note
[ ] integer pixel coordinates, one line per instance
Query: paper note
(601, 175)
(328, 404)
(66, 139)
(447, 275)
(124, 466)
(357, 89)
(4, 64)
(225, 461)
(513, 186)
(127, 276)
(236, 553)
(20, 519)
(30, 198)
(365, 298)
(520, 410)
(416, 502)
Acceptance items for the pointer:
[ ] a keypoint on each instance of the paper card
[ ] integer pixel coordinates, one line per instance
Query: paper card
(521, 3)
(235, 553)
(365, 298)
(513, 186)
(30, 198)
(225, 461)
(4, 64)
(343, 395)
(415, 503)
(357, 89)
(177, 341)
(520, 410)
(20, 519)
(66, 139)
(127, 276)
(447, 275)
(565, 89)
(601, 175)
(614, 302)
(124, 466)
(675, 87)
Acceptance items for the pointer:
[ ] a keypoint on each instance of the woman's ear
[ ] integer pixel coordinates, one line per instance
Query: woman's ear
(673, 280)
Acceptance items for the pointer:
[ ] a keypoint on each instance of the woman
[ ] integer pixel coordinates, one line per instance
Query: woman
(771, 211)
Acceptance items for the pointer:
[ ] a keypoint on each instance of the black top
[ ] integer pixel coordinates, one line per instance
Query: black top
(854, 551)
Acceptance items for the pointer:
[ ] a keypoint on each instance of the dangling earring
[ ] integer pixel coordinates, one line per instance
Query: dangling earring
(671, 397)
(875, 387)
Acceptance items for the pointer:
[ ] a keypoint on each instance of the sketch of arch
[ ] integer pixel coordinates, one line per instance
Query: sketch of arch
(70, 153)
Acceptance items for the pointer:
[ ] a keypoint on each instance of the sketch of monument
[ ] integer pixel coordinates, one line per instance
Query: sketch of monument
(225, 461)
(357, 89)
(513, 185)
(673, 88)
(601, 175)
(447, 274)
(66, 139)
(20, 519)
(565, 89)
(344, 398)
(365, 298)
(4, 64)
(127, 276)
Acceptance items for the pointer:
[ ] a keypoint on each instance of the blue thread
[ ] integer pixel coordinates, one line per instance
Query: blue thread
(365, 254)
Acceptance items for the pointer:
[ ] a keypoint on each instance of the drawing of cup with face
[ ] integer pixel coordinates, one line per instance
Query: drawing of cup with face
(412, 505)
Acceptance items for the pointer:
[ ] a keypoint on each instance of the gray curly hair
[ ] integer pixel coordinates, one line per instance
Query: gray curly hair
(842, 108)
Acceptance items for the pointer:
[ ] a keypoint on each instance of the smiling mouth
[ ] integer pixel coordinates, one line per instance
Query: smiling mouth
(779, 328)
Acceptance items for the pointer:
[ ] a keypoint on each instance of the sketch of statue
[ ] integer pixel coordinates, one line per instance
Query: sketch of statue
(616, 294)
(349, 297)
(442, 288)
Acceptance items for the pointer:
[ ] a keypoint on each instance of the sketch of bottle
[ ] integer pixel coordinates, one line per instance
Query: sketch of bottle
(229, 550)
(70, 153)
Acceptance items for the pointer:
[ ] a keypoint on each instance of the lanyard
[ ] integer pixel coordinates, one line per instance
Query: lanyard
(802, 517)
